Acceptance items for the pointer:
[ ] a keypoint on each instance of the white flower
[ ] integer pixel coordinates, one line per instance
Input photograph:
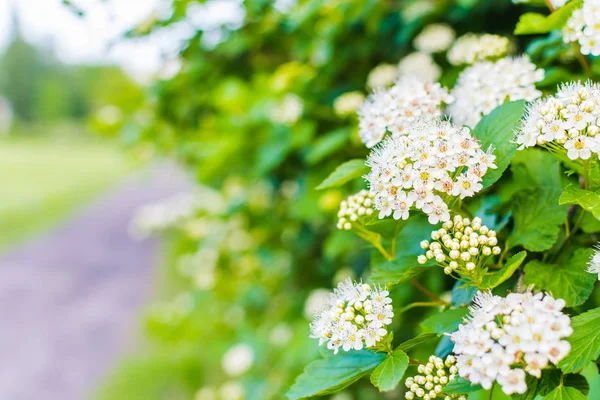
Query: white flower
(316, 301)
(594, 264)
(434, 376)
(280, 335)
(382, 76)
(288, 111)
(555, 3)
(584, 27)
(421, 66)
(484, 86)
(353, 316)
(391, 110)
(348, 103)
(421, 167)
(507, 337)
(355, 209)
(471, 48)
(232, 390)
(565, 122)
(435, 38)
(238, 359)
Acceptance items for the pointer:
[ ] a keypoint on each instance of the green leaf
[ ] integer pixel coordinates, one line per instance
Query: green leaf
(490, 281)
(578, 382)
(416, 341)
(445, 322)
(327, 145)
(589, 201)
(345, 173)
(568, 279)
(536, 167)
(565, 393)
(405, 265)
(461, 294)
(497, 129)
(460, 385)
(539, 386)
(387, 375)
(585, 341)
(333, 374)
(533, 23)
(537, 217)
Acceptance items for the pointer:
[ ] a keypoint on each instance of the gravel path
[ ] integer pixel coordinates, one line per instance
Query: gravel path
(70, 300)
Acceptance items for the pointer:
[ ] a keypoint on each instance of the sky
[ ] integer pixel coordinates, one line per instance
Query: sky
(96, 38)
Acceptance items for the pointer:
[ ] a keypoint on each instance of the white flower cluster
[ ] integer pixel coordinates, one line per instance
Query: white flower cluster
(354, 208)
(354, 316)
(565, 122)
(471, 48)
(382, 76)
(584, 27)
(393, 109)
(347, 103)
(594, 264)
(460, 246)
(434, 38)
(420, 65)
(427, 166)
(288, 111)
(435, 375)
(484, 86)
(507, 337)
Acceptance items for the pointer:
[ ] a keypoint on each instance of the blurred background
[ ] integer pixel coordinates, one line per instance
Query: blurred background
(161, 236)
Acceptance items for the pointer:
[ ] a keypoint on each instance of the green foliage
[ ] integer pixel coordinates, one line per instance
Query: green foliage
(533, 23)
(567, 279)
(345, 173)
(589, 201)
(496, 130)
(446, 321)
(533, 232)
(492, 280)
(460, 385)
(565, 393)
(416, 341)
(585, 341)
(388, 374)
(332, 374)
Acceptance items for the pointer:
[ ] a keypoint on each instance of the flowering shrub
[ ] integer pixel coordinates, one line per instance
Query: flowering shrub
(465, 191)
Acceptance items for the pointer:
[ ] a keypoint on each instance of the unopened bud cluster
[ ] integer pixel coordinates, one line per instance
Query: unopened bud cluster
(355, 208)
(434, 376)
(461, 246)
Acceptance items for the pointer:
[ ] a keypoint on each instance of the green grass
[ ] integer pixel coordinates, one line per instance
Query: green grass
(44, 180)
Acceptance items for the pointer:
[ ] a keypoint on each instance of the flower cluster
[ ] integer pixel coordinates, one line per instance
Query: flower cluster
(391, 110)
(354, 316)
(507, 337)
(435, 38)
(461, 246)
(584, 27)
(565, 122)
(354, 208)
(420, 65)
(382, 76)
(427, 166)
(434, 376)
(594, 264)
(471, 48)
(347, 103)
(484, 86)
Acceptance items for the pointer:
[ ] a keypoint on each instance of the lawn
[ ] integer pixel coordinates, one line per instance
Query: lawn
(43, 181)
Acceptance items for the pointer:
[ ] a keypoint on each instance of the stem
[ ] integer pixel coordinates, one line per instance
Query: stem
(426, 291)
(420, 304)
(501, 259)
(412, 361)
(492, 391)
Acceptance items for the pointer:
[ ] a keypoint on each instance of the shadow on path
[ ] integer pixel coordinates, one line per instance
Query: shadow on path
(69, 300)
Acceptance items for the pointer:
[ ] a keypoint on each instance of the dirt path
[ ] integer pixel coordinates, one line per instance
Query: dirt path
(70, 300)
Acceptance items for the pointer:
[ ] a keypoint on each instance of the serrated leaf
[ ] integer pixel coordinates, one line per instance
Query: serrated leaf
(405, 265)
(416, 341)
(446, 321)
(567, 279)
(585, 341)
(345, 173)
(565, 393)
(530, 230)
(333, 374)
(387, 375)
(490, 281)
(497, 130)
(460, 385)
(539, 386)
(533, 23)
(536, 167)
(589, 201)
